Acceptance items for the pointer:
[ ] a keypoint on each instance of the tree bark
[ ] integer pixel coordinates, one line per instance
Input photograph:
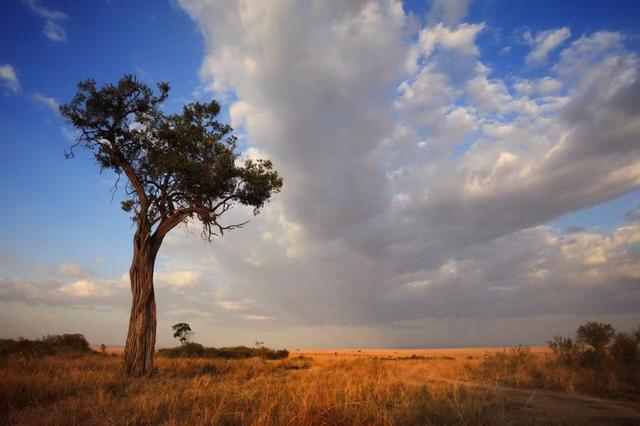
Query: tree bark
(141, 338)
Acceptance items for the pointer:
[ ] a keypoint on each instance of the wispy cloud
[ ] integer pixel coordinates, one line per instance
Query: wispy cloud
(544, 42)
(73, 270)
(9, 78)
(449, 12)
(53, 28)
(258, 317)
(47, 101)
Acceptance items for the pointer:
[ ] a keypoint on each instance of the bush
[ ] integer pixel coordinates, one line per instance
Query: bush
(74, 342)
(624, 349)
(596, 334)
(515, 366)
(593, 359)
(565, 349)
(196, 350)
(47, 345)
(188, 350)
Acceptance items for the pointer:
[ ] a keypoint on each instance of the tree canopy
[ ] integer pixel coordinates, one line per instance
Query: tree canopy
(182, 332)
(178, 166)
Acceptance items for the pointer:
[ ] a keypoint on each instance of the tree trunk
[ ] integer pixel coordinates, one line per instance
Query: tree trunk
(141, 338)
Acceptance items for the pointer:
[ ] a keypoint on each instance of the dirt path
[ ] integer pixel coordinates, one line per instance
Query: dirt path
(562, 406)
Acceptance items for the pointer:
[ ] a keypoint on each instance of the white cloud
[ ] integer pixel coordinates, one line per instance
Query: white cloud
(544, 42)
(55, 32)
(461, 39)
(391, 185)
(178, 279)
(84, 288)
(542, 86)
(9, 78)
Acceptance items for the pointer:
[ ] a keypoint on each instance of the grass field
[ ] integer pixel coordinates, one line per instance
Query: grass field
(311, 387)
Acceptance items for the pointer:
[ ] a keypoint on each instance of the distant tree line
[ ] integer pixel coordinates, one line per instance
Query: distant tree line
(182, 331)
(51, 344)
(196, 350)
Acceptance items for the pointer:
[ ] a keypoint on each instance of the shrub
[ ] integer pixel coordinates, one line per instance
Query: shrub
(510, 366)
(591, 358)
(47, 345)
(75, 342)
(624, 349)
(565, 349)
(188, 350)
(196, 350)
(596, 334)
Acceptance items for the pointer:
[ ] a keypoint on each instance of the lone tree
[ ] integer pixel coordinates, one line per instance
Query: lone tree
(182, 332)
(178, 167)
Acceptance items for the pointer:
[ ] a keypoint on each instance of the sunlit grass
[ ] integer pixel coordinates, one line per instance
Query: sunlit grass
(341, 390)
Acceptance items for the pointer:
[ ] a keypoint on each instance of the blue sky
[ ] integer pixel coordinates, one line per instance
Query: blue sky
(58, 212)
(154, 40)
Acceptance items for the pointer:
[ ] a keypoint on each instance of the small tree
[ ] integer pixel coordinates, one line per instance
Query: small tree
(595, 334)
(182, 332)
(179, 167)
(103, 348)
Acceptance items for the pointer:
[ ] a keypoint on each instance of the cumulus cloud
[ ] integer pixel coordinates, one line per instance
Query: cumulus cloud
(418, 182)
(9, 78)
(404, 202)
(53, 28)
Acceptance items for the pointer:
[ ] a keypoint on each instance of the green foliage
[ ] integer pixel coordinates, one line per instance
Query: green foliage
(596, 334)
(182, 332)
(178, 166)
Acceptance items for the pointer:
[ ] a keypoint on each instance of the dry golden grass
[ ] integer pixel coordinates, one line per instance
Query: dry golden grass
(296, 391)
(314, 387)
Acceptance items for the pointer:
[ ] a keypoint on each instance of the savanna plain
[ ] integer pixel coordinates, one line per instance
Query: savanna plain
(60, 381)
